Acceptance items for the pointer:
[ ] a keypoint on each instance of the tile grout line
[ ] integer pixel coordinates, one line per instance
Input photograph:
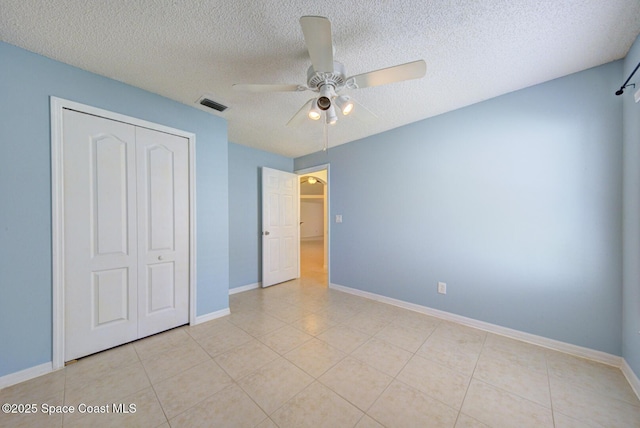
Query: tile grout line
(546, 366)
(155, 393)
(475, 366)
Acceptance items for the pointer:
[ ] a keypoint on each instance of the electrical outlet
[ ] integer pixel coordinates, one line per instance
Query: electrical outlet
(338, 218)
(442, 288)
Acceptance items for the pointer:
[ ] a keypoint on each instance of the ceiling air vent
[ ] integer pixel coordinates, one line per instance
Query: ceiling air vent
(212, 104)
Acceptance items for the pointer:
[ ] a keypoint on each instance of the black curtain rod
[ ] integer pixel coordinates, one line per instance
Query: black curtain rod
(624, 85)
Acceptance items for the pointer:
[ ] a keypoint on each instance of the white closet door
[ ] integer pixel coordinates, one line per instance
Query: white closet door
(126, 232)
(163, 231)
(100, 222)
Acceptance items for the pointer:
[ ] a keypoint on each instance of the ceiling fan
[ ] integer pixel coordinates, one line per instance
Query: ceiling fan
(329, 78)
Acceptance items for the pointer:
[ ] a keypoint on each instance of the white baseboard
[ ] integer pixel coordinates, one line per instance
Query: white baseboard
(631, 377)
(211, 316)
(26, 374)
(603, 357)
(245, 288)
(556, 345)
(42, 369)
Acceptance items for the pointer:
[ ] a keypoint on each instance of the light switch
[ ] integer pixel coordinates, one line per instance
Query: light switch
(338, 218)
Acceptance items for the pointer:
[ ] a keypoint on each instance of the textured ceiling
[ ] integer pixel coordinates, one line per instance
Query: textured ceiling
(474, 50)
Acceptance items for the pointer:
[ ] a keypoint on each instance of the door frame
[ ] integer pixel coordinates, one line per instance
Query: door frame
(317, 168)
(58, 105)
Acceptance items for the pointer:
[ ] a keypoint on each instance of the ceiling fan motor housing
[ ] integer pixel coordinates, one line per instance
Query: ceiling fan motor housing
(336, 78)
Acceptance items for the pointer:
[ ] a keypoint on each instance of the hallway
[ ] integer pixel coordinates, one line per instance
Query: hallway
(311, 261)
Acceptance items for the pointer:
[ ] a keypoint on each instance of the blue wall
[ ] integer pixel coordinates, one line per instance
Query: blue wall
(631, 283)
(515, 203)
(245, 211)
(27, 81)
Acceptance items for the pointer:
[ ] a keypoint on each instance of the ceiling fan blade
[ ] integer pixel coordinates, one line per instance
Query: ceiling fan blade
(301, 115)
(317, 37)
(398, 73)
(252, 87)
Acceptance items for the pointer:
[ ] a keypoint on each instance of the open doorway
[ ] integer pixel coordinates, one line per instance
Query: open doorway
(314, 224)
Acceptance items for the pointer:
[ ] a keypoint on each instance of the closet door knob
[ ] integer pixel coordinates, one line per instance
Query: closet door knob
(160, 258)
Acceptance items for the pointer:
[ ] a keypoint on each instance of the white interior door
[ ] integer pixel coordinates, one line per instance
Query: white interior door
(163, 230)
(280, 227)
(100, 222)
(126, 239)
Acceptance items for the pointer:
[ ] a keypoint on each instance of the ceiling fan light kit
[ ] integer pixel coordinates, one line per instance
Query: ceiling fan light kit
(326, 93)
(331, 116)
(314, 111)
(345, 104)
(328, 77)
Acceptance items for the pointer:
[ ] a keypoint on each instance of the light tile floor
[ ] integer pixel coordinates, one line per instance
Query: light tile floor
(301, 355)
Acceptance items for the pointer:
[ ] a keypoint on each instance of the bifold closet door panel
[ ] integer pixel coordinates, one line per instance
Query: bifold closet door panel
(163, 230)
(100, 234)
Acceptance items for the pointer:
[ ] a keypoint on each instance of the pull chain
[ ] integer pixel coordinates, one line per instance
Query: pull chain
(326, 137)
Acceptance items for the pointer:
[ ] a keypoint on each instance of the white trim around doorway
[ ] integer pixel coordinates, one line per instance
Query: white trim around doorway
(328, 213)
(57, 212)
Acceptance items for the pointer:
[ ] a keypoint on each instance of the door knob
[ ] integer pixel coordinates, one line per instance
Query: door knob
(160, 258)
(266, 233)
